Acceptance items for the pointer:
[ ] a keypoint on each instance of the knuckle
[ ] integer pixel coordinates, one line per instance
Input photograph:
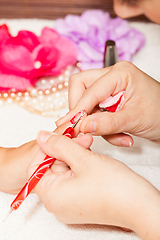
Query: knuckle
(125, 67)
(73, 78)
(124, 64)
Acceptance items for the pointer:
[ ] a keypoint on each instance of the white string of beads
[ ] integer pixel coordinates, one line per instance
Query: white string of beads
(48, 96)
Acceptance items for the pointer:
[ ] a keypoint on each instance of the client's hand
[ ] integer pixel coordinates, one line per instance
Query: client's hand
(13, 166)
(14, 162)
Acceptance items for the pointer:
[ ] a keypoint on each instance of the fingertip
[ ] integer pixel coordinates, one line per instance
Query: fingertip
(60, 121)
(89, 125)
(120, 140)
(66, 118)
(85, 140)
(126, 143)
(43, 136)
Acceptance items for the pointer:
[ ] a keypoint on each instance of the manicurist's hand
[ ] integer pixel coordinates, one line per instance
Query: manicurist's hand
(85, 187)
(139, 113)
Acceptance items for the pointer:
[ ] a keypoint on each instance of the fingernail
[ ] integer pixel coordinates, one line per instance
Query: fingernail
(126, 143)
(90, 127)
(80, 134)
(44, 136)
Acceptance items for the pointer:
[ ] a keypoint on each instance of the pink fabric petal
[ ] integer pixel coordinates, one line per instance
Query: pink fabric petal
(19, 56)
(25, 38)
(49, 36)
(48, 56)
(4, 27)
(8, 81)
(112, 103)
(4, 34)
(67, 53)
(15, 59)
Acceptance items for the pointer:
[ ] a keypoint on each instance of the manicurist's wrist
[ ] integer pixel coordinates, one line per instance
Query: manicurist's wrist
(147, 223)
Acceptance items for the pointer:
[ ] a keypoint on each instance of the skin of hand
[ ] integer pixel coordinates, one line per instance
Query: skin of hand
(13, 166)
(15, 161)
(84, 187)
(131, 8)
(139, 113)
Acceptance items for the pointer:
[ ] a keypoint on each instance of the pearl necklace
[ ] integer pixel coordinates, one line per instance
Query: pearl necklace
(48, 96)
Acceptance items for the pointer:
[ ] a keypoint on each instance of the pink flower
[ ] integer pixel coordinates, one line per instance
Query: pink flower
(27, 57)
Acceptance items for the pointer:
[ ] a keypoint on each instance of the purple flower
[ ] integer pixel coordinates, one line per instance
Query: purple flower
(92, 29)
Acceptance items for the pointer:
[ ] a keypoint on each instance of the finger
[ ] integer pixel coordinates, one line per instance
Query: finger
(119, 139)
(85, 140)
(78, 83)
(109, 84)
(60, 130)
(106, 123)
(59, 167)
(63, 148)
(70, 122)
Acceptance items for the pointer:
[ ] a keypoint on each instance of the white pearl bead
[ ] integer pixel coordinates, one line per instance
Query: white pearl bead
(67, 72)
(60, 86)
(66, 84)
(47, 91)
(5, 95)
(19, 94)
(40, 92)
(17, 98)
(26, 94)
(12, 94)
(60, 78)
(51, 81)
(54, 89)
(78, 65)
(43, 81)
(34, 92)
(37, 64)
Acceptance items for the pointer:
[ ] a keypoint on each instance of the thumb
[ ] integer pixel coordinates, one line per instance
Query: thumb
(106, 123)
(63, 148)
